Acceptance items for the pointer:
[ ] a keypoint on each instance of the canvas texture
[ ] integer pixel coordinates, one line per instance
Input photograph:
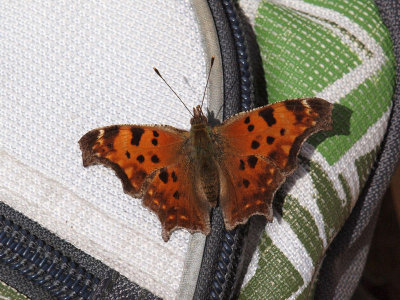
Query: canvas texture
(340, 51)
(67, 67)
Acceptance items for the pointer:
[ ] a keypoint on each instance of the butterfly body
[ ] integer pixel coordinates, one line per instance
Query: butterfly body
(204, 153)
(237, 165)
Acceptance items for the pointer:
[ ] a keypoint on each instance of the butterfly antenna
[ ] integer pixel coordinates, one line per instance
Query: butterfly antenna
(159, 74)
(208, 78)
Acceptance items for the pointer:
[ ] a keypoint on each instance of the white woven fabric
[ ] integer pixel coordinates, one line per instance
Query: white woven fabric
(67, 67)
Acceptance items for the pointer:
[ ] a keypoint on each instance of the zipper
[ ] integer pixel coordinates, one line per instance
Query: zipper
(231, 244)
(227, 264)
(241, 52)
(44, 266)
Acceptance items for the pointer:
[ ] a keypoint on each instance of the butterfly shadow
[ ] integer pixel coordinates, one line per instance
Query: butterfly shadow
(341, 117)
(284, 190)
(212, 119)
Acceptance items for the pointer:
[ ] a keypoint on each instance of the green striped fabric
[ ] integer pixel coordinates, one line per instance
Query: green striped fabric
(341, 51)
(7, 292)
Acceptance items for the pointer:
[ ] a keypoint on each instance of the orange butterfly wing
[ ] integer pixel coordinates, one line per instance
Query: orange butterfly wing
(171, 195)
(259, 150)
(152, 164)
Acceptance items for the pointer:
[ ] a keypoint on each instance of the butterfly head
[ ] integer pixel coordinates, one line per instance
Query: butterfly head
(198, 116)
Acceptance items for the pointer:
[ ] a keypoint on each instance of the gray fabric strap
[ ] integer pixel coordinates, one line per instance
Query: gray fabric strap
(230, 64)
(211, 45)
(112, 285)
(15, 279)
(345, 259)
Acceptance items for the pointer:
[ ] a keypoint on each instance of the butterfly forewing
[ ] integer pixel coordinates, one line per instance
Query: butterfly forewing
(134, 152)
(276, 131)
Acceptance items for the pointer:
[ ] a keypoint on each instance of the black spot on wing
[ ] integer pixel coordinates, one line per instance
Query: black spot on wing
(297, 107)
(246, 183)
(110, 132)
(155, 133)
(241, 166)
(155, 159)
(294, 105)
(174, 177)
(299, 117)
(283, 131)
(270, 140)
(250, 128)
(136, 135)
(255, 144)
(140, 158)
(321, 107)
(247, 120)
(128, 155)
(176, 195)
(268, 115)
(163, 176)
(154, 142)
(252, 161)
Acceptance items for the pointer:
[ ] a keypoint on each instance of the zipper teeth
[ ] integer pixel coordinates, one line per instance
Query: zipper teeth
(230, 246)
(224, 264)
(42, 265)
(241, 51)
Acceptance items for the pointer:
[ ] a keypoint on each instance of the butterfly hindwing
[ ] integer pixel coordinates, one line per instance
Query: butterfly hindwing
(171, 195)
(270, 137)
(251, 183)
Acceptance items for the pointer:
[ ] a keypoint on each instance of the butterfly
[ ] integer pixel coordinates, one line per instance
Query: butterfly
(181, 175)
